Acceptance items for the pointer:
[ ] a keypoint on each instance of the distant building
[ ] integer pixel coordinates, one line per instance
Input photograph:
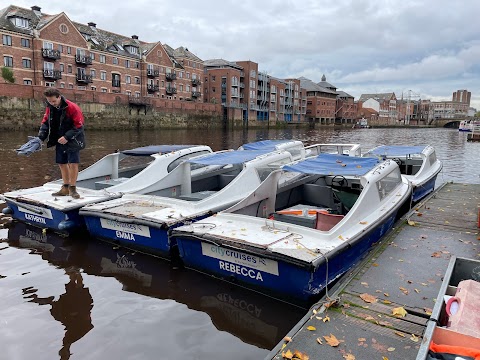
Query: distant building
(321, 102)
(384, 103)
(250, 95)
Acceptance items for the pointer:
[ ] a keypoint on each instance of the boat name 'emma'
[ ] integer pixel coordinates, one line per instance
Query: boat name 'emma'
(125, 230)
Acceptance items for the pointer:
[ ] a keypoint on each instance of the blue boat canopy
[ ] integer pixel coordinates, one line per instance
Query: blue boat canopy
(263, 145)
(228, 157)
(154, 149)
(331, 164)
(396, 150)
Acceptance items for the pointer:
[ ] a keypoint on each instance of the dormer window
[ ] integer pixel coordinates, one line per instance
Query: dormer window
(132, 49)
(21, 22)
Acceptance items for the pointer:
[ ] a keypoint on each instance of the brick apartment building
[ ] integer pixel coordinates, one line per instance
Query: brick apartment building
(247, 94)
(385, 104)
(52, 50)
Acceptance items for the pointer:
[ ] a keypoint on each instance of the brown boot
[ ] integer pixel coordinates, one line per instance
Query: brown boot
(62, 192)
(73, 192)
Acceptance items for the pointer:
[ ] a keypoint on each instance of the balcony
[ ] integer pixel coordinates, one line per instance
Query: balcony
(170, 90)
(52, 74)
(153, 72)
(51, 54)
(84, 78)
(152, 88)
(83, 59)
(196, 82)
(170, 76)
(196, 94)
(116, 83)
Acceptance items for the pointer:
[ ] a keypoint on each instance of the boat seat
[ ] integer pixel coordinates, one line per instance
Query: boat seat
(197, 196)
(99, 185)
(326, 221)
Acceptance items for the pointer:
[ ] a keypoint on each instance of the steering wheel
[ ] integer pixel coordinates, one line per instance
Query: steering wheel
(398, 161)
(339, 180)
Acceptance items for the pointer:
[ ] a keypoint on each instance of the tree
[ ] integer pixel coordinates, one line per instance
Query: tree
(7, 74)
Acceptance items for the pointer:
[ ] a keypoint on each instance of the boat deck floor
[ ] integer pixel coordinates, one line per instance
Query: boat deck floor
(405, 271)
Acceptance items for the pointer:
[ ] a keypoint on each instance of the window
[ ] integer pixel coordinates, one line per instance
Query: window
(62, 85)
(48, 66)
(128, 92)
(180, 74)
(60, 48)
(115, 61)
(70, 86)
(63, 28)
(92, 56)
(25, 42)
(8, 61)
(213, 77)
(137, 64)
(49, 84)
(93, 73)
(19, 22)
(253, 73)
(181, 87)
(27, 63)
(93, 88)
(103, 75)
(27, 82)
(7, 40)
(48, 45)
(69, 69)
(69, 50)
(103, 59)
(137, 80)
(127, 63)
(104, 90)
(128, 79)
(62, 67)
(188, 88)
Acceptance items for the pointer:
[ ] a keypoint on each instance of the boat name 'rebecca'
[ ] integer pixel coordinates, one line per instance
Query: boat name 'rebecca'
(35, 218)
(124, 235)
(240, 270)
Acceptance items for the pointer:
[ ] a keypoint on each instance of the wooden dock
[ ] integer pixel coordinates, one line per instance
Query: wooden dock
(362, 317)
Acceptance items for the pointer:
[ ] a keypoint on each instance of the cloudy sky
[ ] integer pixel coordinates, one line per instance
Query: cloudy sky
(422, 48)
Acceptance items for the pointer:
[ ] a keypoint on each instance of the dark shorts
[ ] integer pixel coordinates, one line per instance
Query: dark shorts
(62, 156)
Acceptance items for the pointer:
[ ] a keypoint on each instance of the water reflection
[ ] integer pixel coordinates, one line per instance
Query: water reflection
(251, 317)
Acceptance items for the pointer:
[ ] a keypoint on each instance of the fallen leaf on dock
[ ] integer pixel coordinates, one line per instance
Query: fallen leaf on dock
(414, 338)
(297, 355)
(387, 302)
(428, 311)
(368, 298)
(436, 254)
(319, 340)
(399, 312)
(391, 349)
(405, 291)
(332, 340)
(349, 357)
(399, 333)
(326, 319)
(287, 339)
(311, 328)
(362, 339)
(411, 223)
(287, 355)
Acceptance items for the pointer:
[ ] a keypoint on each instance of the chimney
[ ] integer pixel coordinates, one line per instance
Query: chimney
(135, 37)
(37, 10)
(92, 24)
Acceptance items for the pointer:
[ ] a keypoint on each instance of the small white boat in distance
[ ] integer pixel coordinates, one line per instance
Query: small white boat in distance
(419, 164)
(469, 125)
(110, 177)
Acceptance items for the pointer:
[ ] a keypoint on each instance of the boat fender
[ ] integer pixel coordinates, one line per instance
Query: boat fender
(66, 225)
(7, 210)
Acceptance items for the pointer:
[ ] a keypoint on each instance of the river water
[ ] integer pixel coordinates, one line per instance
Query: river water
(63, 298)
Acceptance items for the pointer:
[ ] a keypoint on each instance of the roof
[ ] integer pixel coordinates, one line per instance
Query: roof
(343, 94)
(326, 84)
(396, 150)
(378, 97)
(221, 63)
(98, 39)
(228, 157)
(309, 85)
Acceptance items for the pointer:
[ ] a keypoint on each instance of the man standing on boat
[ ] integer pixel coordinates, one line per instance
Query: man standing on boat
(62, 127)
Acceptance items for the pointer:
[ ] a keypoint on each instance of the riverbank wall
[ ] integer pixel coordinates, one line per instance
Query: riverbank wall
(22, 108)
